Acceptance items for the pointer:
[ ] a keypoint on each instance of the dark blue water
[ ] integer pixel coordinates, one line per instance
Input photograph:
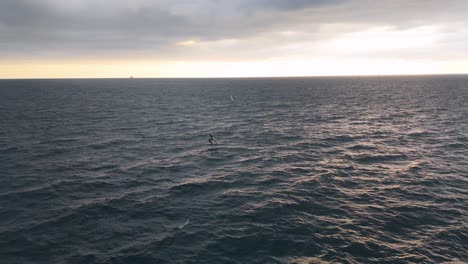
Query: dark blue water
(307, 170)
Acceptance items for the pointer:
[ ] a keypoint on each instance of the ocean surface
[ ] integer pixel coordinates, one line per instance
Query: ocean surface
(306, 170)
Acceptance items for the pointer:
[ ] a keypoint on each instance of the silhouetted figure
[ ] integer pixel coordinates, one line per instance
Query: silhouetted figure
(211, 140)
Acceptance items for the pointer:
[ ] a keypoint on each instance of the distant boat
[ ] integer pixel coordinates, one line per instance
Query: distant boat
(131, 77)
(232, 99)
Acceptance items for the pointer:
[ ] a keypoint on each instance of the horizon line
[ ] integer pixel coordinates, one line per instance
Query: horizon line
(242, 77)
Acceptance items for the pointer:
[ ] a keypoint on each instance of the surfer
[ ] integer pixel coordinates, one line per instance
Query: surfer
(211, 140)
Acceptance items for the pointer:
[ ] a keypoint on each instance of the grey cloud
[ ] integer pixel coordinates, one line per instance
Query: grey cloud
(35, 28)
(282, 5)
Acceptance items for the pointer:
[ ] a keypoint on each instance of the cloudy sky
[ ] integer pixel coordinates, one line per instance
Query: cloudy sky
(213, 38)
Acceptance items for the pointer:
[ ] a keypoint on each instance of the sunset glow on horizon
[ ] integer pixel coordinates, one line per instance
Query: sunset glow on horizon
(182, 69)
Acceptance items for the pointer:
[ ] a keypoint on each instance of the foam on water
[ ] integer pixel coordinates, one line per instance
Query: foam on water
(307, 170)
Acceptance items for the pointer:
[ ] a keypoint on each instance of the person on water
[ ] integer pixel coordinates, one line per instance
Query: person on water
(211, 140)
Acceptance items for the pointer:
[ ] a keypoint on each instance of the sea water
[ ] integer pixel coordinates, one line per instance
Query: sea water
(306, 170)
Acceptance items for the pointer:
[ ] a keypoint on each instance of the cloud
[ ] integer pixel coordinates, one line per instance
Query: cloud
(233, 30)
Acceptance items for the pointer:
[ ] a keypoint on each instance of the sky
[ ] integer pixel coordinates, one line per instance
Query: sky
(231, 38)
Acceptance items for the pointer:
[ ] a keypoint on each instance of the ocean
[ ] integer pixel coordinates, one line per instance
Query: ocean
(305, 170)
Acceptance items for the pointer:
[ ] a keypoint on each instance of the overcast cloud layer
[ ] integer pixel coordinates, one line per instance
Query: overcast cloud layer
(231, 29)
